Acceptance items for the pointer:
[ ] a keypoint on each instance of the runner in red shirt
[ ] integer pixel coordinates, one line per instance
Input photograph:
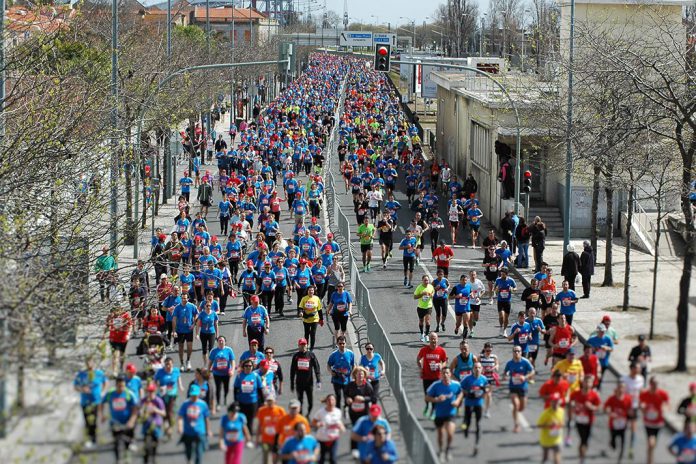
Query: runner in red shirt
(619, 406)
(652, 403)
(584, 403)
(443, 255)
(562, 338)
(431, 359)
(556, 384)
(590, 364)
(119, 324)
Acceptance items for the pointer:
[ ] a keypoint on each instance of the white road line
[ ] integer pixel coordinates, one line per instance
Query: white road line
(524, 423)
(402, 230)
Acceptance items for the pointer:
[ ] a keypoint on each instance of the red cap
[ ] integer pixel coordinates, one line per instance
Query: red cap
(264, 364)
(254, 298)
(250, 263)
(329, 235)
(197, 238)
(606, 318)
(314, 220)
(302, 341)
(692, 386)
(213, 238)
(151, 387)
(162, 237)
(375, 410)
(130, 367)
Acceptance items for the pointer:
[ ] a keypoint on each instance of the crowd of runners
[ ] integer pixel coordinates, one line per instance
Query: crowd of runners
(273, 168)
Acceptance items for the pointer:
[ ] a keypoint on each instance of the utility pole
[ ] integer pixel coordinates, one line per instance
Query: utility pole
(114, 126)
(170, 167)
(4, 341)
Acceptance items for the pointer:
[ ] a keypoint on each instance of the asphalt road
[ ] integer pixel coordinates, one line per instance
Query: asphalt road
(283, 337)
(396, 311)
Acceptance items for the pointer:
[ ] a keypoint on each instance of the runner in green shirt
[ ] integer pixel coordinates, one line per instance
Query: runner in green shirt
(366, 232)
(103, 267)
(424, 294)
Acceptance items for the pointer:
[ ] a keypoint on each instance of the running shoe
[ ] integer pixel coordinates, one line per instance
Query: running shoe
(471, 334)
(456, 330)
(505, 332)
(384, 266)
(487, 414)
(568, 442)
(405, 282)
(188, 365)
(410, 285)
(448, 457)
(425, 411)
(500, 332)
(356, 454)
(443, 327)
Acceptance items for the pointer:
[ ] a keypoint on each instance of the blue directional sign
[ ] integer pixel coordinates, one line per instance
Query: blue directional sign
(355, 39)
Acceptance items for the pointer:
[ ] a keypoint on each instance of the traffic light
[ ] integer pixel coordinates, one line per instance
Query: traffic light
(382, 58)
(527, 182)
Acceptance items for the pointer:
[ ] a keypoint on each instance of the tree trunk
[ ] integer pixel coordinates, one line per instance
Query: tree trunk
(685, 280)
(608, 276)
(627, 263)
(595, 208)
(166, 167)
(20, 401)
(656, 261)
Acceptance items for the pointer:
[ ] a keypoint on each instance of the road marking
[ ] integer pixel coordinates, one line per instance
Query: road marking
(524, 423)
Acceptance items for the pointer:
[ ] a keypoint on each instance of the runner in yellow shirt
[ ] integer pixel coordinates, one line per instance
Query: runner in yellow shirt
(312, 314)
(424, 294)
(550, 425)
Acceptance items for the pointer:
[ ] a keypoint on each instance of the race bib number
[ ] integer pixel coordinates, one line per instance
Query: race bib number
(566, 301)
(517, 379)
(463, 300)
(504, 294)
(555, 431)
(572, 378)
(341, 308)
(619, 423)
(564, 343)
(248, 281)
(434, 366)
(522, 338)
(493, 268)
(269, 430)
(303, 281)
(255, 319)
(601, 354)
(425, 298)
(533, 348)
(234, 254)
(440, 293)
(534, 297)
(582, 418)
(211, 282)
(118, 404)
(247, 386)
(192, 412)
(371, 373)
(221, 364)
(358, 406)
(267, 281)
(232, 436)
(303, 364)
(652, 414)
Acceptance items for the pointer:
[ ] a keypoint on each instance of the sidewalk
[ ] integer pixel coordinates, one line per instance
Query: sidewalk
(608, 300)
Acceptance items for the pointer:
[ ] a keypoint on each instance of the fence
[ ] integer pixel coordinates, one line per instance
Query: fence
(418, 445)
(404, 106)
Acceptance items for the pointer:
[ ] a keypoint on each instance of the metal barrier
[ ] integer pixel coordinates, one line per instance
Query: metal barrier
(417, 442)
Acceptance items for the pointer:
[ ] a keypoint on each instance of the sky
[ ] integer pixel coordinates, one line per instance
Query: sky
(388, 10)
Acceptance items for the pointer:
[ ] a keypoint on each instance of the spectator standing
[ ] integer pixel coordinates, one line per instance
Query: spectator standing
(571, 266)
(537, 233)
(587, 262)
(522, 239)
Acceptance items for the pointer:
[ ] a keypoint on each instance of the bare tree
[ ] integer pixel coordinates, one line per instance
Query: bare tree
(458, 18)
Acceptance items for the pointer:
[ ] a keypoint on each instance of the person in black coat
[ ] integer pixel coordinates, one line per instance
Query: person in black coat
(570, 266)
(586, 268)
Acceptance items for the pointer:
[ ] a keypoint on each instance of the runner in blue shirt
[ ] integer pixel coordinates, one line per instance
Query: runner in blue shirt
(90, 383)
(255, 322)
(221, 362)
(363, 428)
(380, 450)
(446, 395)
(123, 410)
(300, 448)
(504, 286)
(408, 245)
(340, 365)
(186, 182)
(521, 333)
(233, 433)
(248, 388)
(520, 371)
(538, 328)
(183, 321)
(568, 299)
(194, 425)
(475, 388)
(474, 215)
(441, 286)
(461, 294)
(683, 445)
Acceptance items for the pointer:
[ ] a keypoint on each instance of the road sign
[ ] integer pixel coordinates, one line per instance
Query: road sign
(387, 39)
(355, 39)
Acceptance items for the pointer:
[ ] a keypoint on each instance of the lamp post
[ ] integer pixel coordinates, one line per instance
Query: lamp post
(569, 144)
(113, 181)
(483, 18)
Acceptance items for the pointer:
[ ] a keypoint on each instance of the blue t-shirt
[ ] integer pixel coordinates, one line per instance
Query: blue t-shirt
(373, 372)
(255, 317)
(684, 448)
(474, 390)
(233, 428)
(516, 369)
(221, 359)
(186, 183)
(474, 215)
(168, 381)
(305, 449)
(341, 366)
(185, 316)
(409, 245)
(121, 405)
(461, 294)
(303, 278)
(340, 303)
(505, 287)
(440, 286)
(134, 385)
(246, 387)
(445, 408)
(382, 455)
(567, 301)
(207, 322)
(95, 382)
(194, 414)
(363, 427)
(597, 341)
(522, 338)
(537, 325)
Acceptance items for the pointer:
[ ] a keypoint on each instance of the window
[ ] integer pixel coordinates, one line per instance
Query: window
(480, 151)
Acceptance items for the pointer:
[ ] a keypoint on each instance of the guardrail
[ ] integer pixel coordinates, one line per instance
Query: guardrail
(417, 442)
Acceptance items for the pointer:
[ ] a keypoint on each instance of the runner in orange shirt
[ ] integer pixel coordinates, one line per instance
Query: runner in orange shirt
(286, 425)
(268, 418)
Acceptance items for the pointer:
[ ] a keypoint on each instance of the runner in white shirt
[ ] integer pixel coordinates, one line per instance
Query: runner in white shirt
(374, 198)
(634, 384)
(328, 421)
(477, 289)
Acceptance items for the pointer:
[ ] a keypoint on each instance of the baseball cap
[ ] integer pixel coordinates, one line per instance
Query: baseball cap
(329, 235)
(254, 342)
(294, 404)
(250, 263)
(254, 298)
(375, 410)
(195, 390)
(264, 364)
(130, 367)
(302, 341)
(606, 318)
(601, 328)
(151, 387)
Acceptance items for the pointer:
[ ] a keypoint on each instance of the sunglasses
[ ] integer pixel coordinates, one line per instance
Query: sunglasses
(370, 349)
(269, 352)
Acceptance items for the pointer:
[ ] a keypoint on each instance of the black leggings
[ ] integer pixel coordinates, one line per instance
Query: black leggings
(339, 390)
(301, 293)
(224, 382)
(249, 410)
(476, 410)
(280, 298)
(89, 412)
(440, 305)
(207, 342)
(267, 299)
(122, 435)
(621, 435)
(150, 446)
(310, 333)
(224, 220)
(306, 390)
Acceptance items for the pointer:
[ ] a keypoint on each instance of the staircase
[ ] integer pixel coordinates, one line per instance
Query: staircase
(550, 215)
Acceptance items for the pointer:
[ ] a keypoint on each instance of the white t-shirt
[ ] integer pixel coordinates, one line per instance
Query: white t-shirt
(477, 289)
(373, 198)
(331, 421)
(633, 387)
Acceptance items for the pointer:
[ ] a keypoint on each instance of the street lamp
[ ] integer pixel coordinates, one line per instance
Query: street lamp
(569, 144)
(483, 18)
(413, 22)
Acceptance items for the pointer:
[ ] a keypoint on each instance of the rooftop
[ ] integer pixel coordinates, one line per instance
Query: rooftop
(226, 14)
